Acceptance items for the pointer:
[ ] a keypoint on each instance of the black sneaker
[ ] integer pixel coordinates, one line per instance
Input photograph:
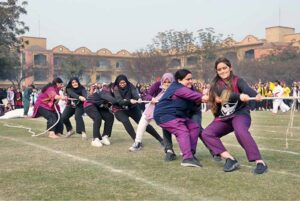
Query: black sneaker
(260, 168)
(190, 162)
(196, 159)
(170, 156)
(231, 165)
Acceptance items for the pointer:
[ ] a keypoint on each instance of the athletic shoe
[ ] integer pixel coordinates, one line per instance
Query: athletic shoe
(70, 133)
(96, 143)
(196, 159)
(83, 136)
(231, 165)
(170, 156)
(260, 168)
(136, 146)
(105, 140)
(190, 162)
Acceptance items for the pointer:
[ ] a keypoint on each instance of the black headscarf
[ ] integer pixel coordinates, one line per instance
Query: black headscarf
(76, 90)
(123, 91)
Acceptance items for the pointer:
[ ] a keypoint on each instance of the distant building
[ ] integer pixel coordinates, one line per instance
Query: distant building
(103, 65)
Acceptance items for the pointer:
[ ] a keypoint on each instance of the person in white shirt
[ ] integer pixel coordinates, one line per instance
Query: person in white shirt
(277, 92)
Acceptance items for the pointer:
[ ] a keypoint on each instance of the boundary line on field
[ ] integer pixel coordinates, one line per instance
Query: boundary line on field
(267, 149)
(131, 176)
(109, 168)
(274, 138)
(261, 148)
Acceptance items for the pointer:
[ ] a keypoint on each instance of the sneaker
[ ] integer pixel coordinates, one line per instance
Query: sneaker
(196, 159)
(190, 162)
(260, 168)
(136, 146)
(83, 136)
(170, 156)
(96, 143)
(70, 133)
(231, 165)
(105, 140)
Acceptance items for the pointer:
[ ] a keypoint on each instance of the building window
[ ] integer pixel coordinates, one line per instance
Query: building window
(120, 64)
(57, 61)
(249, 54)
(175, 63)
(40, 74)
(192, 60)
(40, 59)
(103, 63)
(103, 78)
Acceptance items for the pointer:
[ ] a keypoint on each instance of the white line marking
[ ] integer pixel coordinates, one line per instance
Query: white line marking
(155, 185)
(274, 138)
(266, 149)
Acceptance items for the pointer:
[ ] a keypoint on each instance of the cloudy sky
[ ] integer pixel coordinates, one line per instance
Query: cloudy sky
(132, 24)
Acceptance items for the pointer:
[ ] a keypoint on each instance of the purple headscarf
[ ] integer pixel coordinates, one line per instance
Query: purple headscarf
(165, 76)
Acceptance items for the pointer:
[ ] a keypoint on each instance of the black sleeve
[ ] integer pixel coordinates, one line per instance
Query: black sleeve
(84, 92)
(72, 94)
(134, 92)
(109, 98)
(119, 99)
(245, 88)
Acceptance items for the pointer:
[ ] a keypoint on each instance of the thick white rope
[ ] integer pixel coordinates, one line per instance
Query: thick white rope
(30, 129)
(273, 98)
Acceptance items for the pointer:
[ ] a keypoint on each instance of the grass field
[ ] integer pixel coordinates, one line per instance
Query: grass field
(39, 168)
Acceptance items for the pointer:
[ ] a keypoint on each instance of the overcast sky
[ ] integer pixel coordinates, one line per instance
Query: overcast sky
(132, 24)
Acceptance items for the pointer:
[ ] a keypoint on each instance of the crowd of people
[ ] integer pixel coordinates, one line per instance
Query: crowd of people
(175, 103)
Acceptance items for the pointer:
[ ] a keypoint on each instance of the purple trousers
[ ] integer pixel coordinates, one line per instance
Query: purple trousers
(186, 132)
(240, 124)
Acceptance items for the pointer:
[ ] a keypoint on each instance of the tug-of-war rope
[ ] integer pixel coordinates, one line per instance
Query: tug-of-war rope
(34, 134)
(288, 130)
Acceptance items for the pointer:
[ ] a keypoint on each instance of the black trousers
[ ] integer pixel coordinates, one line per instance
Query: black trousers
(51, 119)
(97, 115)
(136, 114)
(68, 113)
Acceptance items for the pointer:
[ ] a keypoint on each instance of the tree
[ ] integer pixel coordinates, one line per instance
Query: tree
(10, 28)
(170, 42)
(72, 67)
(10, 24)
(11, 69)
(149, 64)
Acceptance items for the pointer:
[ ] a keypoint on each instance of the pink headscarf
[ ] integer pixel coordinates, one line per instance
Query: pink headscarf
(165, 76)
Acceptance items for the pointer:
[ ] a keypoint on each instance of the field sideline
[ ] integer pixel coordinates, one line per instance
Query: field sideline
(39, 168)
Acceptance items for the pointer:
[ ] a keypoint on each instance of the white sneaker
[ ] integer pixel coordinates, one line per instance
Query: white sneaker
(96, 143)
(83, 136)
(70, 133)
(105, 140)
(136, 146)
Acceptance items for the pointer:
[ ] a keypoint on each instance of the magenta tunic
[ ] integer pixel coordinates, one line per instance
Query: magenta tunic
(46, 100)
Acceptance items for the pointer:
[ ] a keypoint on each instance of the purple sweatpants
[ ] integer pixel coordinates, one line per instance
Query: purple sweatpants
(240, 124)
(186, 132)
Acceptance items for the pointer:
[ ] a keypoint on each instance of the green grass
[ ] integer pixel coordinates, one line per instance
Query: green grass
(39, 168)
